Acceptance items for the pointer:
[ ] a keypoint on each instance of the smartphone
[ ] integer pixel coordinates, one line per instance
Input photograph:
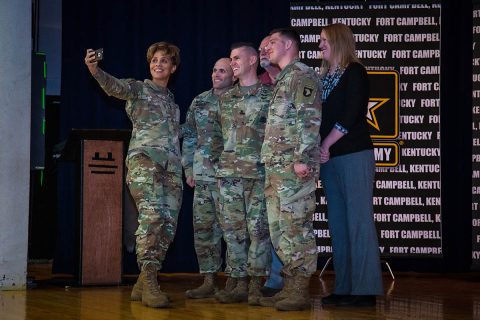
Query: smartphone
(98, 55)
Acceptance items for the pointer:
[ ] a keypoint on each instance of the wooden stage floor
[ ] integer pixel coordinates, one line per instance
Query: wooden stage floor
(410, 296)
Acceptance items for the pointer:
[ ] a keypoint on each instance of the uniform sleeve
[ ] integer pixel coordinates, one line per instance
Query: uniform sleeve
(189, 131)
(356, 96)
(124, 89)
(308, 106)
(225, 124)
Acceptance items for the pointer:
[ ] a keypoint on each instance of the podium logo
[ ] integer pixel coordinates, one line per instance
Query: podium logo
(98, 165)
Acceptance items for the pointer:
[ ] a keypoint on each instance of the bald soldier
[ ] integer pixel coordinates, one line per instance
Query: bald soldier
(202, 146)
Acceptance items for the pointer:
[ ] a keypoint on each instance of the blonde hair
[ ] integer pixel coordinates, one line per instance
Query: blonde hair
(342, 45)
(169, 49)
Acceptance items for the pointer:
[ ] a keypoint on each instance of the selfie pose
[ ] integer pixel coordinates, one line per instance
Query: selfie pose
(153, 161)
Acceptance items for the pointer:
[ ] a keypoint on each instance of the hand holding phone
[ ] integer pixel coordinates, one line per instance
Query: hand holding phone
(98, 55)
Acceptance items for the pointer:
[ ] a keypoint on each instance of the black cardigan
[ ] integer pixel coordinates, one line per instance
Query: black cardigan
(347, 105)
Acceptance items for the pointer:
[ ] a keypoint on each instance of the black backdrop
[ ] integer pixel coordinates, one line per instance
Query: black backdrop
(204, 30)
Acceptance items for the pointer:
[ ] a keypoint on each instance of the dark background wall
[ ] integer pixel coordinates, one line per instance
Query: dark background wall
(204, 31)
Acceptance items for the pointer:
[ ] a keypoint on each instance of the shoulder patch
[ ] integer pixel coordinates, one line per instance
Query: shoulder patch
(306, 91)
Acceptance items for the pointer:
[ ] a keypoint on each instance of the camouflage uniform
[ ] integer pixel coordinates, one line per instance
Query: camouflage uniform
(153, 162)
(202, 146)
(241, 177)
(292, 136)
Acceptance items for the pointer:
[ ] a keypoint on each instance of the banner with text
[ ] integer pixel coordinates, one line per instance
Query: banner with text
(399, 44)
(476, 140)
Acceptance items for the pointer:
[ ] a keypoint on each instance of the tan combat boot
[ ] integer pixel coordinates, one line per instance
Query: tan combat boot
(284, 293)
(238, 294)
(151, 294)
(229, 286)
(299, 297)
(206, 290)
(254, 293)
(136, 294)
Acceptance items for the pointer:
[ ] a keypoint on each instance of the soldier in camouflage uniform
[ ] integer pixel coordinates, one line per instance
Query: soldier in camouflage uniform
(153, 161)
(202, 146)
(291, 156)
(274, 282)
(243, 218)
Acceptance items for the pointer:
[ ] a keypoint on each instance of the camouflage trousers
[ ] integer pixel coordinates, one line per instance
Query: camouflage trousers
(158, 196)
(207, 232)
(244, 223)
(290, 219)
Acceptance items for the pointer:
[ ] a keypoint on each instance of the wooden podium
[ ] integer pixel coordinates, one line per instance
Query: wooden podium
(101, 155)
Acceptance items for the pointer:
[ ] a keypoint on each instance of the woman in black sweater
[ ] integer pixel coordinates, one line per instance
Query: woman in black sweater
(347, 172)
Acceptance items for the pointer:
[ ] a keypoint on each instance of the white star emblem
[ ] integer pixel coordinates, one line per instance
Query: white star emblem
(374, 104)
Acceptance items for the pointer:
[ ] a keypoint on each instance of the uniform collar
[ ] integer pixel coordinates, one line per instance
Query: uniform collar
(253, 89)
(286, 70)
(158, 89)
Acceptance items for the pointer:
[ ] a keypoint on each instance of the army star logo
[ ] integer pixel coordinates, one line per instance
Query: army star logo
(307, 92)
(374, 104)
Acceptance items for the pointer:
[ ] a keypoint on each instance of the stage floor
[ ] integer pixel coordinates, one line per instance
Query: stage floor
(410, 296)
